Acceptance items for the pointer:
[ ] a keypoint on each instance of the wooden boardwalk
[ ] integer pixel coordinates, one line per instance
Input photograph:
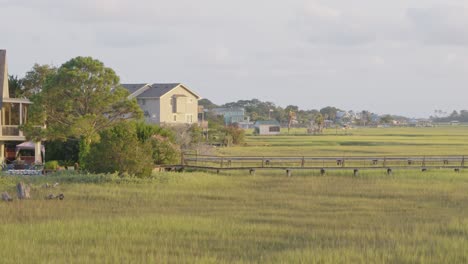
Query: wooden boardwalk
(288, 164)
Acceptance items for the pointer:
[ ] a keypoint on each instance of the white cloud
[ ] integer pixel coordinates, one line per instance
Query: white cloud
(440, 25)
(330, 52)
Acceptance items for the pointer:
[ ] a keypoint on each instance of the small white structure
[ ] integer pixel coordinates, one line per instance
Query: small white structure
(269, 127)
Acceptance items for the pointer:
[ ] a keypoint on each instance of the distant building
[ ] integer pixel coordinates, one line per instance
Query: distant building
(269, 127)
(233, 115)
(166, 103)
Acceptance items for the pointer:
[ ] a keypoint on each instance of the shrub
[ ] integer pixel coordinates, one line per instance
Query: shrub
(234, 135)
(164, 151)
(51, 165)
(119, 150)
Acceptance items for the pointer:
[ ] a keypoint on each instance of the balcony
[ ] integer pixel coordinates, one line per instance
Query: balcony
(11, 131)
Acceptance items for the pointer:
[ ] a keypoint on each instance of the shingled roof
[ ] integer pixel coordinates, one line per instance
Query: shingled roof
(154, 90)
(133, 87)
(158, 90)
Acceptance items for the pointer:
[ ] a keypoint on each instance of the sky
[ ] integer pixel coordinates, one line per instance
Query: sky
(398, 57)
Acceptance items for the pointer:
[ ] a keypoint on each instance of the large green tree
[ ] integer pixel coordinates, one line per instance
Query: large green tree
(35, 79)
(80, 100)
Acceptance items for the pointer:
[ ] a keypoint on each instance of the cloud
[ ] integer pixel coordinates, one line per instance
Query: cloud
(441, 25)
(319, 24)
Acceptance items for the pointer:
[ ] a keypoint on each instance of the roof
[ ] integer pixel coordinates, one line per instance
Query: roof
(158, 89)
(155, 90)
(267, 123)
(133, 87)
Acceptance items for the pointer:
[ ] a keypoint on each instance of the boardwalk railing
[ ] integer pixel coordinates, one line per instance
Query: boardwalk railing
(322, 163)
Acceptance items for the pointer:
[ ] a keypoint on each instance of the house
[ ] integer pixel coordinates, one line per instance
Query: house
(166, 103)
(13, 114)
(269, 127)
(233, 115)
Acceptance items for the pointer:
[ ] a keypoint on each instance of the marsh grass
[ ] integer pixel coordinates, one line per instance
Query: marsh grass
(360, 141)
(199, 217)
(409, 217)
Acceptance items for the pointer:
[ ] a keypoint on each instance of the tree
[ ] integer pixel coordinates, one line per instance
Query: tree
(365, 117)
(35, 79)
(320, 122)
(14, 84)
(329, 112)
(80, 100)
(207, 104)
(386, 119)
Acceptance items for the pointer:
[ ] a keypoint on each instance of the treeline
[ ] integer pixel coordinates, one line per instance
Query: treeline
(460, 116)
(259, 110)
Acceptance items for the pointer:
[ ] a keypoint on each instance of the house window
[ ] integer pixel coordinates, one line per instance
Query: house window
(189, 118)
(174, 104)
(274, 129)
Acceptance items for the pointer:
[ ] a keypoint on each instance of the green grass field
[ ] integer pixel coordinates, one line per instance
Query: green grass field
(359, 141)
(409, 217)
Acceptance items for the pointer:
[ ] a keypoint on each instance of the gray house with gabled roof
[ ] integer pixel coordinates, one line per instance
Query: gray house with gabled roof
(166, 103)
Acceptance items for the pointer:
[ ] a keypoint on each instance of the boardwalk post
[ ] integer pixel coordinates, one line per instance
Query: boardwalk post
(182, 159)
(23, 191)
(303, 162)
(463, 162)
(222, 162)
(424, 161)
(263, 162)
(384, 162)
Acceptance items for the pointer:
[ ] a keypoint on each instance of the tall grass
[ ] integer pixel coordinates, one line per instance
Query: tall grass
(410, 217)
(233, 217)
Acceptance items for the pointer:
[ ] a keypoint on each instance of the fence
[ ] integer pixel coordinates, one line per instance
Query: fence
(355, 163)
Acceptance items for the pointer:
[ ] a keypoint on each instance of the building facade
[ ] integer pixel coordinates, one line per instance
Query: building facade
(13, 114)
(166, 103)
(269, 127)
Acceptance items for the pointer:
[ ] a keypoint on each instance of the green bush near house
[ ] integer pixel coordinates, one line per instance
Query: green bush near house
(51, 165)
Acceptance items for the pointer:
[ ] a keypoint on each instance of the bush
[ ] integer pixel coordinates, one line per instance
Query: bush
(62, 150)
(161, 141)
(51, 165)
(164, 151)
(119, 150)
(234, 135)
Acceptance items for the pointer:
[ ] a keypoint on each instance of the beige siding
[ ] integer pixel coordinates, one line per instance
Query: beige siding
(185, 109)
